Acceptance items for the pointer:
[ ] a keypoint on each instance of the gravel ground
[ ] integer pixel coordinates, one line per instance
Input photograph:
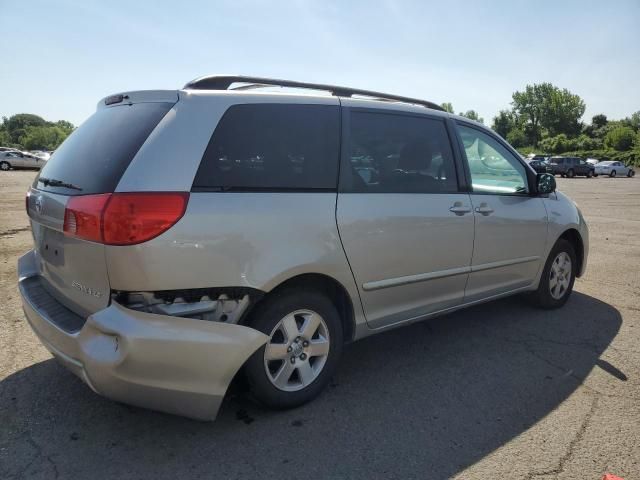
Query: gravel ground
(500, 390)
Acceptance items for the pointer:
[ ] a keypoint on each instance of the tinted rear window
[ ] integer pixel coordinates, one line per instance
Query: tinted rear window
(95, 156)
(272, 146)
(390, 153)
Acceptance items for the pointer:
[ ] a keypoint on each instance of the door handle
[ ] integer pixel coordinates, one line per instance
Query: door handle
(484, 209)
(459, 209)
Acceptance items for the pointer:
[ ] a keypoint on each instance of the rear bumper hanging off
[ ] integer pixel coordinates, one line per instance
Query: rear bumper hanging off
(176, 365)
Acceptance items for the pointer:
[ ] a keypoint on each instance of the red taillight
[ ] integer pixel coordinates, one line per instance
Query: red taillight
(83, 217)
(137, 217)
(123, 218)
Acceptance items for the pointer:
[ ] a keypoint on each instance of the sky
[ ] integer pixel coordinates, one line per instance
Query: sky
(60, 57)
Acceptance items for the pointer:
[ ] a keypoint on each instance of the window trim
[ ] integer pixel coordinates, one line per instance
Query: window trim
(345, 173)
(529, 172)
(255, 189)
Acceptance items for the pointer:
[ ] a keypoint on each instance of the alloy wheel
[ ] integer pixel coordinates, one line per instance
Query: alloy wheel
(560, 275)
(297, 350)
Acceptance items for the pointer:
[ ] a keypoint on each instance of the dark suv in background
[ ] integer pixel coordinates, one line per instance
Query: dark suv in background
(571, 166)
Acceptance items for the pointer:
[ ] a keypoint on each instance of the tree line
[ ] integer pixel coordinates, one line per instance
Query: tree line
(26, 131)
(546, 119)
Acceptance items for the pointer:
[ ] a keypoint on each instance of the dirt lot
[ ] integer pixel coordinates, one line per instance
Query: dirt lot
(498, 391)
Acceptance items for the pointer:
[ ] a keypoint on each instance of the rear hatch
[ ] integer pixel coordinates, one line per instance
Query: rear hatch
(90, 163)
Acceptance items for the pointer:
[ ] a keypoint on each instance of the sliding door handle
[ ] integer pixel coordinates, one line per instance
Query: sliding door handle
(484, 209)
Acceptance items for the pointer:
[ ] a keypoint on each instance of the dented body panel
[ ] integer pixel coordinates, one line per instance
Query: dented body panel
(171, 364)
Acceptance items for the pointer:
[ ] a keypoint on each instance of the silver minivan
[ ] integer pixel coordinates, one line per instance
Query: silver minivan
(183, 237)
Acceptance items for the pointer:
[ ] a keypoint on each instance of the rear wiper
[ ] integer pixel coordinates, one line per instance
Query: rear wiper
(57, 183)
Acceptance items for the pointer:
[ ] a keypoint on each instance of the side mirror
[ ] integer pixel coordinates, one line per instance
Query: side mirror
(546, 183)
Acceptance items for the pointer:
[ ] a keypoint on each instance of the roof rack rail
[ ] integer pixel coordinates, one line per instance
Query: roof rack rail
(223, 82)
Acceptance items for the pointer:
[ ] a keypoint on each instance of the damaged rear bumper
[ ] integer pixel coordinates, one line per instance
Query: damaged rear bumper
(176, 365)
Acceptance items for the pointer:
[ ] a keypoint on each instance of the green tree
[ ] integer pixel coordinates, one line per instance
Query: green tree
(65, 126)
(599, 121)
(16, 125)
(447, 106)
(504, 122)
(517, 138)
(43, 138)
(634, 120)
(620, 138)
(545, 106)
(5, 139)
(472, 115)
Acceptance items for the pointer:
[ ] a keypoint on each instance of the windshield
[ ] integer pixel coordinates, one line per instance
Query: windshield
(94, 157)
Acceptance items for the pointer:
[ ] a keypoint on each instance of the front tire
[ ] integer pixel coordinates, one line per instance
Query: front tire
(5, 166)
(303, 351)
(571, 173)
(612, 174)
(590, 174)
(631, 173)
(558, 277)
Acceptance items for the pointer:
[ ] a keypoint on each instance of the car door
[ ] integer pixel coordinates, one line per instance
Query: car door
(30, 161)
(405, 225)
(16, 159)
(582, 167)
(510, 223)
(621, 169)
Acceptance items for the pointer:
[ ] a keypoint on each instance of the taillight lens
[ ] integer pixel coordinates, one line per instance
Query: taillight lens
(132, 218)
(123, 218)
(83, 216)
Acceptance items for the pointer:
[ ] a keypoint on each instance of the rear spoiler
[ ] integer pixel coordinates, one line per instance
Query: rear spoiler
(140, 96)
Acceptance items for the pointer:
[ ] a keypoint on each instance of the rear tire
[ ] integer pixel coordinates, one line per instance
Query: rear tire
(571, 173)
(5, 166)
(274, 378)
(612, 174)
(558, 277)
(590, 174)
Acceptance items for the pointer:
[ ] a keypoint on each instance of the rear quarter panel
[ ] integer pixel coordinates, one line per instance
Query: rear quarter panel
(228, 239)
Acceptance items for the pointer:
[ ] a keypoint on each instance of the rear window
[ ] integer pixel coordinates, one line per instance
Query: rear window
(272, 147)
(95, 156)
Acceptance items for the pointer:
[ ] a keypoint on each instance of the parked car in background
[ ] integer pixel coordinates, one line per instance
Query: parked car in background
(540, 166)
(539, 156)
(614, 169)
(16, 159)
(592, 161)
(571, 167)
(41, 154)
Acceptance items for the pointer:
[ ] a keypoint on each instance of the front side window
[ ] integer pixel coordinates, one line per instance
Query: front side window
(390, 153)
(493, 168)
(273, 146)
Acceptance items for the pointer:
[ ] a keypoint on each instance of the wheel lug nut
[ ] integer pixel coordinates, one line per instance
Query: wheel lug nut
(303, 356)
(289, 348)
(305, 343)
(293, 359)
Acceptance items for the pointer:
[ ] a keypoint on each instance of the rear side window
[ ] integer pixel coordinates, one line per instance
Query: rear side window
(95, 156)
(391, 153)
(272, 147)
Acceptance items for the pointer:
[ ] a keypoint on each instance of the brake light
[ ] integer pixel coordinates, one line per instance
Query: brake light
(123, 218)
(83, 217)
(132, 218)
